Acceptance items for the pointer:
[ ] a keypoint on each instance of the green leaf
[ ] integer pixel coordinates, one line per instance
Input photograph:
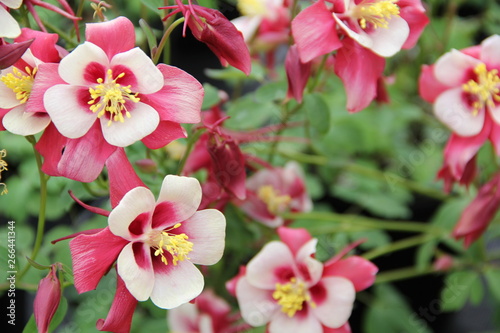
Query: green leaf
(317, 112)
(476, 291)
(457, 290)
(152, 42)
(153, 5)
(493, 278)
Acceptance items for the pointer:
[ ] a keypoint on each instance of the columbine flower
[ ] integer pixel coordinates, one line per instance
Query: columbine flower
(478, 214)
(465, 89)
(155, 244)
(286, 288)
(220, 35)
(271, 192)
(47, 299)
(107, 94)
(19, 114)
(9, 27)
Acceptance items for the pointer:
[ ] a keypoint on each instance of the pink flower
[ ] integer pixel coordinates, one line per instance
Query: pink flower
(465, 89)
(220, 35)
(9, 27)
(108, 94)
(10, 53)
(208, 313)
(286, 288)
(271, 192)
(47, 299)
(18, 111)
(297, 74)
(478, 214)
(155, 243)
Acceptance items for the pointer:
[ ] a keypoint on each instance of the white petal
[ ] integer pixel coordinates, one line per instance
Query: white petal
(206, 325)
(314, 267)
(247, 25)
(282, 323)
(490, 51)
(73, 67)
(263, 268)
(148, 76)
(142, 122)
(178, 285)
(184, 192)
(452, 110)
(206, 229)
(183, 318)
(453, 67)
(9, 27)
(135, 202)
(336, 309)
(25, 123)
(14, 4)
(71, 118)
(256, 305)
(138, 280)
(495, 113)
(8, 98)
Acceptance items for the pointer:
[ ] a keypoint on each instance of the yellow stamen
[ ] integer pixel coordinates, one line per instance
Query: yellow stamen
(111, 97)
(175, 244)
(486, 88)
(275, 203)
(20, 83)
(291, 296)
(376, 12)
(252, 7)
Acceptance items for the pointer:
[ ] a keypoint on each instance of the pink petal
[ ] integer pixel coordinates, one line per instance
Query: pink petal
(429, 87)
(342, 329)
(9, 27)
(176, 285)
(294, 238)
(47, 76)
(490, 51)
(47, 300)
(11, 53)
(165, 133)
(180, 98)
(119, 318)
(135, 267)
(335, 306)
(148, 77)
(314, 32)
(84, 65)
(68, 113)
(359, 69)
(413, 13)
(44, 45)
(121, 175)
(309, 268)
(208, 247)
(359, 271)
(142, 122)
(183, 318)
(450, 108)
(50, 145)
(23, 123)
(263, 271)
(183, 192)
(92, 257)
(113, 36)
(137, 201)
(257, 306)
(453, 68)
(297, 324)
(297, 74)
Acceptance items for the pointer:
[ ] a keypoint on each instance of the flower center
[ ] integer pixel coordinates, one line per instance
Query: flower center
(251, 7)
(275, 203)
(376, 12)
(109, 96)
(20, 83)
(486, 88)
(291, 296)
(175, 244)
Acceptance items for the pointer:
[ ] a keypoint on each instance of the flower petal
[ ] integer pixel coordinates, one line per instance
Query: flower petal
(453, 68)
(294, 238)
(429, 87)
(335, 308)
(115, 36)
(134, 266)
(296, 324)
(9, 27)
(23, 123)
(387, 42)
(183, 318)
(256, 305)
(135, 202)
(176, 285)
(8, 98)
(309, 268)
(143, 121)
(183, 192)
(84, 65)
(206, 230)
(451, 109)
(359, 271)
(166, 132)
(490, 51)
(69, 114)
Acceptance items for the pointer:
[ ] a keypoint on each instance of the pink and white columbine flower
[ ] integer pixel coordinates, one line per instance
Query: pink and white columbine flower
(108, 94)
(19, 114)
(155, 244)
(285, 287)
(9, 27)
(465, 89)
(273, 191)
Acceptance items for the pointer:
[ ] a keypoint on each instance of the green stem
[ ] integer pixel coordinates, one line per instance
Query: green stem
(402, 274)
(317, 75)
(287, 114)
(398, 245)
(165, 38)
(69, 40)
(191, 141)
(43, 205)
